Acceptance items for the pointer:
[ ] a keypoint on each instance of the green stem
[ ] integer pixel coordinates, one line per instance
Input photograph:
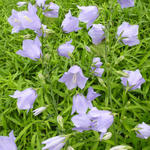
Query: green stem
(108, 65)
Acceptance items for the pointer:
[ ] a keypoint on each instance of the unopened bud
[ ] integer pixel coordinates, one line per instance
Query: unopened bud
(60, 120)
(119, 59)
(101, 81)
(70, 148)
(107, 136)
(121, 147)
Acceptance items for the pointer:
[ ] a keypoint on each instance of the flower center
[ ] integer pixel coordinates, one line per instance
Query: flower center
(75, 78)
(28, 19)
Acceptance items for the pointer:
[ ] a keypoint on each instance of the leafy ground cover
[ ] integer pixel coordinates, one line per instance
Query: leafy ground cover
(17, 73)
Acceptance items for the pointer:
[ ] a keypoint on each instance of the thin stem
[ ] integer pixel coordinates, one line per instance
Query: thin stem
(108, 65)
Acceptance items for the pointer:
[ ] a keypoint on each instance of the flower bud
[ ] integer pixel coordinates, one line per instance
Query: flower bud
(70, 148)
(107, 136)
(121, 147)
(60, 120)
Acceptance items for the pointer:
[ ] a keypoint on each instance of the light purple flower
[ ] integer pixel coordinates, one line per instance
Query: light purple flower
(54, 143)
(15, 21)
(25, 19)
(80, 104)
(26, 98)
(97, 33)
(129, 33)
(88, 14)
(96, 62)
(144, 131)
(126, 3)
(81, 122)
(8, 142)
(134, 79)
(66, 49)
(20, 4)
(92, 94)
(98, 120)
(101, 120)
(40, 2)
(30, 20)
(96, 67)
(70, 23)
(54, 10)
(31, 49)
(73, 78)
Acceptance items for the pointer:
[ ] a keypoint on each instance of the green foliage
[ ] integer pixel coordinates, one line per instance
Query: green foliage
(18, 73)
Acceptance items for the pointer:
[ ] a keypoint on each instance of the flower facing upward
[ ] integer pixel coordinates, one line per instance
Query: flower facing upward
(70, 23)
(73, 78)
(66, 49)
(88, 14)
(126, 3)
(54, 143)
(54, 10)
(97, 33)
(25, 19)
(8, 142)
(26, 98)
(144, 131)
(129, 33)
(31, 49)
(134, 79)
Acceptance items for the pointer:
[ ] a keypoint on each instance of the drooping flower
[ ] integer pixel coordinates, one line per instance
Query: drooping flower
(143, 131)
(126, 3)
(73, 78)
(102, 120)
(40, 2)
(88, 14)
(121, 147)
(38, 111)
(129, 33)
(134, 79)
(81, 122)
(20, 4)
(97, 33)
(96, 67)
(25, 98)
(54, 10)
(54, 143)
(31, 49)
(80, 104)
(70, 23)
(25, 19)
(66, 49)
(8, 142)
